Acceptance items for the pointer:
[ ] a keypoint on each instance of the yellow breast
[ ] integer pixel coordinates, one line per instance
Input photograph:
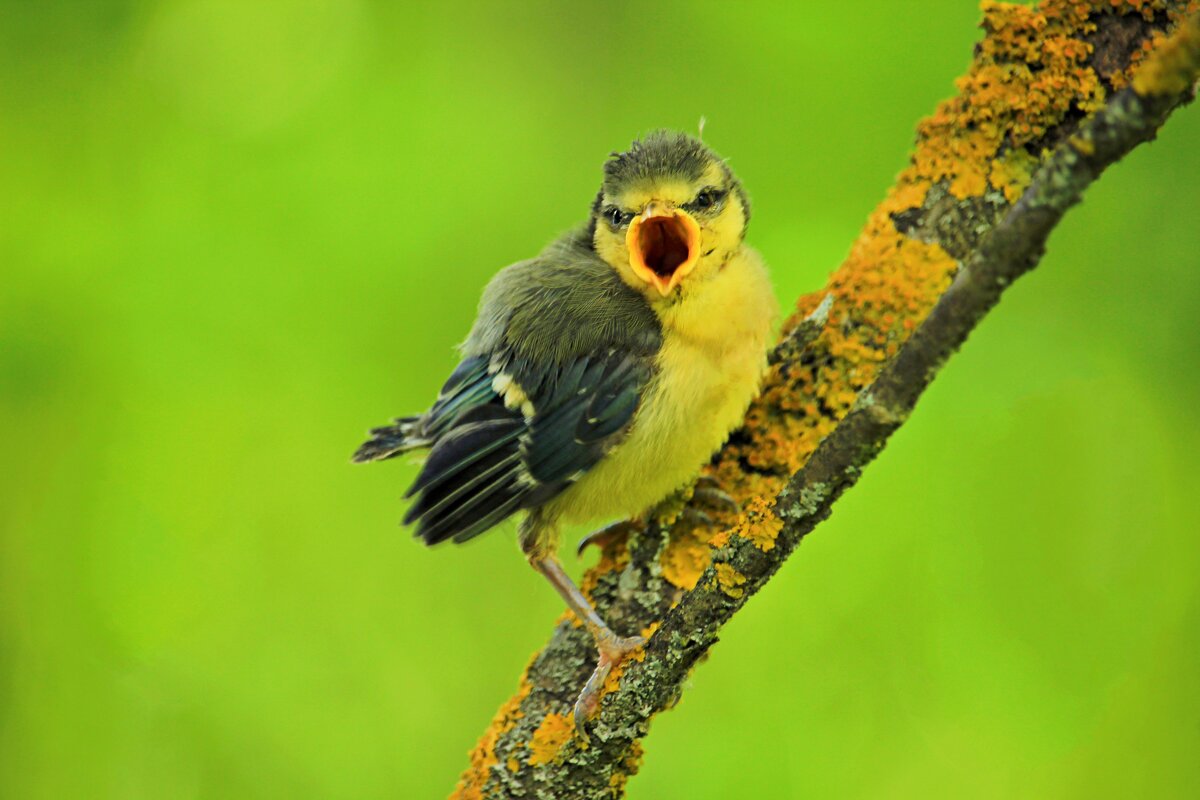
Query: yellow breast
(709, 368)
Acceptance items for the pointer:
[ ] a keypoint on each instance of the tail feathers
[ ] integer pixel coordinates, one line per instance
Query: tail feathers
(392, 440)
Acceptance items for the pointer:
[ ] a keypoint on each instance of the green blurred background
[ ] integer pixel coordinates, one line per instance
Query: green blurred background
(235, 234)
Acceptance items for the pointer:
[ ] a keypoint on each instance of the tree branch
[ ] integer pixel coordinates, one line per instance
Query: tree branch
(1054, 95)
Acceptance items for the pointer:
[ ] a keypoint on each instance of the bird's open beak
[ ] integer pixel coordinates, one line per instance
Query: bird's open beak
(664, 245)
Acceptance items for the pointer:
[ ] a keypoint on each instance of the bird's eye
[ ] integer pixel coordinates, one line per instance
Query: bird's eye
(707, 198)
(616, 217)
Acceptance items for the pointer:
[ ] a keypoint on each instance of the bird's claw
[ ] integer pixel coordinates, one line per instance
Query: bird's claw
(601, 535)
(708, 492)
(612, 651)
(717, 499)
(697, 518)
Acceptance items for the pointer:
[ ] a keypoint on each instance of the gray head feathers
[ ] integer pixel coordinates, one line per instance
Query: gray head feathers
(663, 154)
(658, 155)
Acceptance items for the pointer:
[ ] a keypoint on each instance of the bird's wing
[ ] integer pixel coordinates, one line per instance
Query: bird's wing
(489, 460)
(468, 387)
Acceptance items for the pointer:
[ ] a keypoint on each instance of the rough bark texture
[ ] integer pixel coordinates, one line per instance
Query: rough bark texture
(1054, 95)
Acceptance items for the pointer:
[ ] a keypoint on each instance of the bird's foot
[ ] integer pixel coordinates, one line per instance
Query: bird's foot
(612, 650)
(601, 536)
(692, 505)
(708, 493)
(695, 518)
(671, 508)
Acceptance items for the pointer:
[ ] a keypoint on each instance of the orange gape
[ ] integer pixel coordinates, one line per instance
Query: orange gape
(664, 246)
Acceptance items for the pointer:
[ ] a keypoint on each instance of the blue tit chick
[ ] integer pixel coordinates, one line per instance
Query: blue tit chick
(601, 375)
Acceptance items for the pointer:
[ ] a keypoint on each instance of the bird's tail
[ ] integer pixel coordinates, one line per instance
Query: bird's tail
(392, 440)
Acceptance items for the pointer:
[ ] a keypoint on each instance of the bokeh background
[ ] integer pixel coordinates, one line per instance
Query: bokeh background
(235, 234)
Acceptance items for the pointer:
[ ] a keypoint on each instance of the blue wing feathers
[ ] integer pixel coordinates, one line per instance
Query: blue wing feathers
(498, 515)
(433, 503)
(468, 369)
(462, 447)
(487, 461)
(468, 514)
(607, 415)
(571, 438)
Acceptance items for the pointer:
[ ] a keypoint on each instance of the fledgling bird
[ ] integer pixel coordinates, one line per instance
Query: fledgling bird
(601, 375)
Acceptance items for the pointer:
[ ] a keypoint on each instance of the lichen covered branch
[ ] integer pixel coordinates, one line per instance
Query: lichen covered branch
(1054, 95)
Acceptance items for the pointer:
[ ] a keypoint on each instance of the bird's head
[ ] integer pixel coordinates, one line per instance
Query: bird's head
(669, 214)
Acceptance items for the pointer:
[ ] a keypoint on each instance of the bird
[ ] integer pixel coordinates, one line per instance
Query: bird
(600, 376)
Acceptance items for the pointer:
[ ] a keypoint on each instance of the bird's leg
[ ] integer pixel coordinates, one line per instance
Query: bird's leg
(612, 648)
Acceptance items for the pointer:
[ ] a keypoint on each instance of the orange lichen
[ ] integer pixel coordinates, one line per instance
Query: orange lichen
(1172, 67)
(569, 616)
(759, 524)
(628, 767)
(730, 580)
(1012, 172)
(483, 756)
(1120, 79)
(554, 732)
(686, 556)
(1030, 72)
